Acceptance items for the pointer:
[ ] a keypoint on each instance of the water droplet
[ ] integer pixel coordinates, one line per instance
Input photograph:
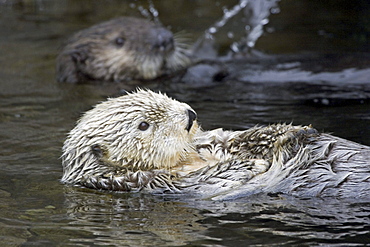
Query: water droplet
(265, 21)
(208, 36)
(143, 11)
(243, 4)
(228, 15)
(235, 47)
(154, 11)
(230, 35)
(212, 30)
(275, 10)
(250, 43)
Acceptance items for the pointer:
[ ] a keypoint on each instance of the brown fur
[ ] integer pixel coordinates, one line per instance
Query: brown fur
(121, 49)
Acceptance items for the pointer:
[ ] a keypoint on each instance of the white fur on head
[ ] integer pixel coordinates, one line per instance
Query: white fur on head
(114, 125)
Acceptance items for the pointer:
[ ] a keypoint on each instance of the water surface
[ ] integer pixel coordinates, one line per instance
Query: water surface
(317, 74)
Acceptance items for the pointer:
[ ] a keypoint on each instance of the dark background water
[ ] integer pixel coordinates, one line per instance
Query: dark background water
(317, 73)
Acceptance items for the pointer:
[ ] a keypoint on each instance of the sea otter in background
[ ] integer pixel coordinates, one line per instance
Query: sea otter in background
(121, 49)
(148, 141)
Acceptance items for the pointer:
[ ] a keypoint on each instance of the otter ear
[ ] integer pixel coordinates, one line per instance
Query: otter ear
(78, 56)
(67, 67)
(101, 154)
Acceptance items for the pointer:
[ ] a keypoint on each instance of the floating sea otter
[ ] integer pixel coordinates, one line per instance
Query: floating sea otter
(148, 141)
(121, 49)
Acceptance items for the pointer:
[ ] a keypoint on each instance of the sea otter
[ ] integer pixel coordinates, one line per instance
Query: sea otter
(122, 49)
(146, 141)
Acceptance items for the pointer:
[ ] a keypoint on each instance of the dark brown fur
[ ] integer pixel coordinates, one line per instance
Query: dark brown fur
(121, 49)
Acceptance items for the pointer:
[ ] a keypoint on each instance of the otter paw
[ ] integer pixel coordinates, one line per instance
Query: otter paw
(306, 131)
(105, 182)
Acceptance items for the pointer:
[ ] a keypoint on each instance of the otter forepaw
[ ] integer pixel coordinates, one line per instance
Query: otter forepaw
(113, 183)
(306, 131)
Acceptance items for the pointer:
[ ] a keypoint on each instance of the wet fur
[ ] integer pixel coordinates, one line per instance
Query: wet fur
(121, 49)
(107, 151)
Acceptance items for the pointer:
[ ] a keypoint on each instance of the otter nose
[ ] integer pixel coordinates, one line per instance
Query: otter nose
(163, 40)
(192, 116)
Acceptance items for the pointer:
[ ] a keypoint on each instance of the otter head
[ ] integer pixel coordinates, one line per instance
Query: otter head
(121, 49)
(138, 131)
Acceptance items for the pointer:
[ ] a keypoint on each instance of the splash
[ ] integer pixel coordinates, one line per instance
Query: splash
(242, 25)
(149, 11)
(254, 14)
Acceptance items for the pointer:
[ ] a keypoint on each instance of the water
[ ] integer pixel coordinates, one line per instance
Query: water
(301, 85)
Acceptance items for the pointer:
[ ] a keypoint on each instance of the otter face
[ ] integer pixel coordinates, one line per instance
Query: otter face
(123, 49)
(138, 131)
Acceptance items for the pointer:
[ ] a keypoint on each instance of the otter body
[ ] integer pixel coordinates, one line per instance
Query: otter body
(121, 49)
(147, 141)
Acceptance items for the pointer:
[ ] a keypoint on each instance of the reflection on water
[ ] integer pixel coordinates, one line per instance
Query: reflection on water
(131, 219)
(330, 91)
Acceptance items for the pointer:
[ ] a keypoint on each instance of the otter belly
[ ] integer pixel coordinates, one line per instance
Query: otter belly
(327, 166)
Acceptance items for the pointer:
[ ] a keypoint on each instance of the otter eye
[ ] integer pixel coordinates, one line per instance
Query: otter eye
(120, 41)
(143, 126)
